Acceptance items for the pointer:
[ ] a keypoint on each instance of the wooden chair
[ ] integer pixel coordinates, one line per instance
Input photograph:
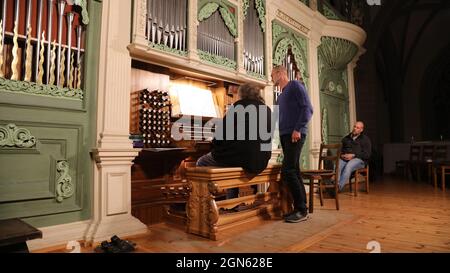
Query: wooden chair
(360, 175)
(444, 169)
(426, 161)
(328, 171)
(440, 165)
(414, 159)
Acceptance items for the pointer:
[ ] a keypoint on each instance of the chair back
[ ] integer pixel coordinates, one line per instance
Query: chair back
(440, 153)
(427, 153)
(414, 152)
(329, 158)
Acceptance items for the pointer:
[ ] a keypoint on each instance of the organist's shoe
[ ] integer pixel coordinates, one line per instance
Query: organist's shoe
(297, 217)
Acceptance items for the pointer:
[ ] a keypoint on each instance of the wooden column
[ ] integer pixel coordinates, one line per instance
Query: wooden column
(114, 153)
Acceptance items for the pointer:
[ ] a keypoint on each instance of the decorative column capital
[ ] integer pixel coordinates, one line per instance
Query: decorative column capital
(104, 156)
(139, 21)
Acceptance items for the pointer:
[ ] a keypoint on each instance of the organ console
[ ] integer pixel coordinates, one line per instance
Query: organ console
(160, 99)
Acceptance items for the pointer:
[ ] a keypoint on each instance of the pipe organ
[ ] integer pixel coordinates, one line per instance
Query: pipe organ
(215, 38)
(253, 41)
(42, 41)
(165, 102)
(167, 23)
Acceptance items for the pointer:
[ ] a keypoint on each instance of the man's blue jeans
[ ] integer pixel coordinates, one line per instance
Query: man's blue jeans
(346, 168)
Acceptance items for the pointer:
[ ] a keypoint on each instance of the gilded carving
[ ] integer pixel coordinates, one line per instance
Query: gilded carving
(15, 61)
(1, 49)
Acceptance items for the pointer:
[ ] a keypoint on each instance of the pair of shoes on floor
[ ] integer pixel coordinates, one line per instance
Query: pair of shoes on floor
(116, 245)
(296, 217)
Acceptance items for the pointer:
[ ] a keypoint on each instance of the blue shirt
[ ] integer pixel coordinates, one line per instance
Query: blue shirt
(295, 109)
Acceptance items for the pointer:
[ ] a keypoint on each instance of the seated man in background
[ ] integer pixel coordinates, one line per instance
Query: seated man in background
(355, 154)
(243, 145)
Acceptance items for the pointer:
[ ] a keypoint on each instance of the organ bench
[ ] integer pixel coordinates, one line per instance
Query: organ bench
(208, 216)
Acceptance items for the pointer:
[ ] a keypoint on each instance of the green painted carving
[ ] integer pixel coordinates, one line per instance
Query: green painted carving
(207, 10)
(282, 39)
(337, 52)
(229, 20)
(340, 89)
(325, 125)
(329, 13)
(304, 161)
(306, 2)
(245, 6)
(37, 89)
(321, 65)
(331, 86)
(259, 5)
(346, 122)
(256, 75)
(167, 49)
(226, 11)
(84, 12)
(281, 50)
(217, 60)
(64, 185)
(345, 78)
(13, 136)
(280, 158)
(334, 55)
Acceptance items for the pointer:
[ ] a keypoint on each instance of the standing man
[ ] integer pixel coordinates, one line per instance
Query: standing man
(295, 112)
(356, 151)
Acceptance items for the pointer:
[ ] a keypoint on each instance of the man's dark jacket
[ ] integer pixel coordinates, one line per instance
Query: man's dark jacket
(244, 153)
(361, 146)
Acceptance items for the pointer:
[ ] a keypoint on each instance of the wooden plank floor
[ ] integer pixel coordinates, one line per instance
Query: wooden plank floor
(401, 216)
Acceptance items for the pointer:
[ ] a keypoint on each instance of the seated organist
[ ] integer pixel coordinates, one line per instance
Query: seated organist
(246, 144)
